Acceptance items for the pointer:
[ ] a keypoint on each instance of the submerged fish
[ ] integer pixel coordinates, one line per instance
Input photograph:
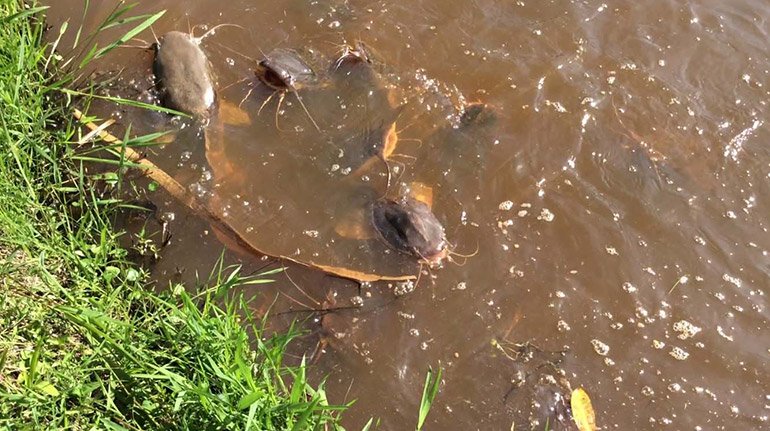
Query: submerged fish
(285, 70)
(410, 227)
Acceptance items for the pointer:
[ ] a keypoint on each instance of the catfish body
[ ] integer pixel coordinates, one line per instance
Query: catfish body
(182, 75)
(410, 227)
(285, 70)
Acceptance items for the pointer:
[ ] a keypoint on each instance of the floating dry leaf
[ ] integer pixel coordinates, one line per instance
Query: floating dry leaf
(390, 141)
(582, 410)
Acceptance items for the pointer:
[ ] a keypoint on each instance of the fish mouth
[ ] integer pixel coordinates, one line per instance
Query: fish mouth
(410, 227)
(437, 256)
(285, 70)
(273, 78)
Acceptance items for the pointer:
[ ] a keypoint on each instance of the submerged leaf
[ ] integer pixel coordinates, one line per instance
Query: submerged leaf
(582, 410)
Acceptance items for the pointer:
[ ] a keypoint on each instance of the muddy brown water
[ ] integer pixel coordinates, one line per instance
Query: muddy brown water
(619, 202)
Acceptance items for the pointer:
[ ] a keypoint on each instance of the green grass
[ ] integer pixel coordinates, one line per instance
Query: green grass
(83, 344)
(429, 392)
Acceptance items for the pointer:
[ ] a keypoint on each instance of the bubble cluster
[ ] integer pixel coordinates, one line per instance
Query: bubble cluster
(685, 329)
(679, 354)
(600, 347)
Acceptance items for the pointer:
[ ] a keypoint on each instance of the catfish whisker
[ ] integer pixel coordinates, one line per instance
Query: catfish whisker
(266, 102)
(155, 36)
(306, 111)
(451, 260)
(191, 30)
(246, 97)
(213, 29)
(296, 301)
(419, 276)
(300, 289)
(278, 109)
(405, 156)
(451, 253)
(237, 53)
(454, 253)
(409, 124)
(419, 142)
(234, 83)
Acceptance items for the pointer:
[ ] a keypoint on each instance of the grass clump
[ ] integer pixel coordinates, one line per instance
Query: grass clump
(83, 344)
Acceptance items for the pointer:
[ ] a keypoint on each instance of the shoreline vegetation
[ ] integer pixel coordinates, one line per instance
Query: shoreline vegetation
(84, 344)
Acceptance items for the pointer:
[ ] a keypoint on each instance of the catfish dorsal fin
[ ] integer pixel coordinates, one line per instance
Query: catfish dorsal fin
(420, 192)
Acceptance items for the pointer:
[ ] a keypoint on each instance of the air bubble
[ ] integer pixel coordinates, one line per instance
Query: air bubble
(628, 287)
(600, 348)
(686, 329)
(679, 354)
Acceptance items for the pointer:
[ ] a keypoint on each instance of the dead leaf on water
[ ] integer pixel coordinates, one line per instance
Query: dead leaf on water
(582, 410)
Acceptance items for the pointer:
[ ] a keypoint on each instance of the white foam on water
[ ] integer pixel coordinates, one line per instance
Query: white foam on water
(735, 146)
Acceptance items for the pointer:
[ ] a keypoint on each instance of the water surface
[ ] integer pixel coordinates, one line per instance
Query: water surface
(618, 202)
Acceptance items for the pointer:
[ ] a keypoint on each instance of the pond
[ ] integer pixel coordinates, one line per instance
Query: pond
(607, 212)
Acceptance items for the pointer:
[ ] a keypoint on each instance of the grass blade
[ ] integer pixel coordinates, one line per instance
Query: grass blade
(3, 357)
(130, 34)
(22, 15)
(368, 425)
(127, 102)
(302, 423)
(32, 371)
(429, 392)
